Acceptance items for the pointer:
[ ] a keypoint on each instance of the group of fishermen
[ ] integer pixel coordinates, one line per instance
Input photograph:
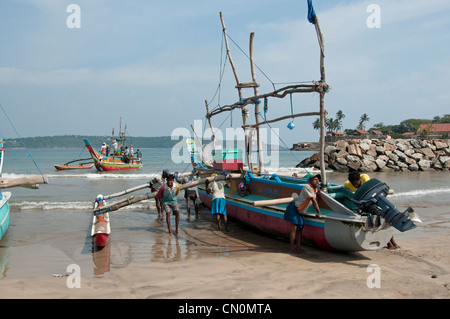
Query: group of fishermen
(167, 201)
(127, 153)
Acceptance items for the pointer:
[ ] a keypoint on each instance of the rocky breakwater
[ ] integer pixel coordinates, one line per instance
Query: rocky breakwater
(370, 155)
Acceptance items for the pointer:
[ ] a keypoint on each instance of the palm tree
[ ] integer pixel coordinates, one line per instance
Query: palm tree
(316, 124)
(339, 117)
(364, 118)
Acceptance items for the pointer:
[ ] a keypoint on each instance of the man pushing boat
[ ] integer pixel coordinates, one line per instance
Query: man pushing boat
(294, 211)
(168, 194)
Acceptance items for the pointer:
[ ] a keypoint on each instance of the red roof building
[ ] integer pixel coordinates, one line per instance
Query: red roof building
(437, 129)
(360, 132)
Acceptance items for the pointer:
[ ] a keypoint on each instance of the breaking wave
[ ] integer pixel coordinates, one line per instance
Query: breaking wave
(422, 192)
(81, 205)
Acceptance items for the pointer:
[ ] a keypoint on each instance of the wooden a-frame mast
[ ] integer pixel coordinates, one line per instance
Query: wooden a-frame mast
(320, 87)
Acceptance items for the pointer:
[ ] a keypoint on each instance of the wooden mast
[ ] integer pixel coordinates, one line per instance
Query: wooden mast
(322, 91)
(255, 90)
(210, 125)
(238, 86)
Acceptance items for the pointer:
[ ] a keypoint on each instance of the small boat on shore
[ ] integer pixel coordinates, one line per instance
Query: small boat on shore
(4, 212)
(101, 225)
(4, 199)
(101, 229)
(28, 181)
(66, 166)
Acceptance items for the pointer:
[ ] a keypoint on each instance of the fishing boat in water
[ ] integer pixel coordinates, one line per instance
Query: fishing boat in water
(364, 220)
(67, 166)
(114, 157)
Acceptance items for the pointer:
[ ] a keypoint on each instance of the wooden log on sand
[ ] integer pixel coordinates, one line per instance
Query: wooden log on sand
(26, 181)
(132, 200)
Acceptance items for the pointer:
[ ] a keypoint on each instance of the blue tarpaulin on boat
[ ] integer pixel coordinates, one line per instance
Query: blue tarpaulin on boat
(311, 13)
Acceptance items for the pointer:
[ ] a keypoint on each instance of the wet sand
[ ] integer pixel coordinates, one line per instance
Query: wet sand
(203, 263)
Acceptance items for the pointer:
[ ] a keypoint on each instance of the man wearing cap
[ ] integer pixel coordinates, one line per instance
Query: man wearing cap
(294, 211)
(168, 194)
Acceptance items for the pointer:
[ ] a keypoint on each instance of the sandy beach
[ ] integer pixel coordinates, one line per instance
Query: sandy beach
(240, 265)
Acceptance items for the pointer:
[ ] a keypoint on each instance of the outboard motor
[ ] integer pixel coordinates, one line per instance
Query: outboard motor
(371, 200)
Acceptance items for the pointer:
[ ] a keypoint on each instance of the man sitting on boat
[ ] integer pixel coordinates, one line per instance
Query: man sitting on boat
(294, 211)
(355, 180)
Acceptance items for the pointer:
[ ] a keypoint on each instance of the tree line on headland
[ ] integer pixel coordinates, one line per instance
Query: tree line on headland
(396, 131)
(76, 141)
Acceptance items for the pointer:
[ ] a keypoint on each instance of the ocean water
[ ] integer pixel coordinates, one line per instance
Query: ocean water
(50, 227)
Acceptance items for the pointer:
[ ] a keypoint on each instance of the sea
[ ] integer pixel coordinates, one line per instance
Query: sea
(50, 226)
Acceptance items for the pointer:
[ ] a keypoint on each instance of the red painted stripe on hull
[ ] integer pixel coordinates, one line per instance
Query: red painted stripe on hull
(117, 168)
(272, 224)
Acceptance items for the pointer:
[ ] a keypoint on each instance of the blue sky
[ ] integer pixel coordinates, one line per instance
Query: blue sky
(154, 63)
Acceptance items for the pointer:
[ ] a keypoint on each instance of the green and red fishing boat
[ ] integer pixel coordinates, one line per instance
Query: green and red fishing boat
(116, 156)
(108, 163)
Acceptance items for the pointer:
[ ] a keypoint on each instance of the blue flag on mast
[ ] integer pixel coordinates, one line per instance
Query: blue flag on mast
(311, 13)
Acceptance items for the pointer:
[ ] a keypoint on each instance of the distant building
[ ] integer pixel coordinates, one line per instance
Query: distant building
(334, 136)
(376, 133)
(361, 133)
(437, 129)
(410, 135)
(335, 133)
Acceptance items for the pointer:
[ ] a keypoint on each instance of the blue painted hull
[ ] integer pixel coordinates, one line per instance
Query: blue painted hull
(4, 214)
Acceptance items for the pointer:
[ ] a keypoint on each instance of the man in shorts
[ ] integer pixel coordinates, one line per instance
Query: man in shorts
(219, 204)
(294, 211)
(167, 193)
(190, 193)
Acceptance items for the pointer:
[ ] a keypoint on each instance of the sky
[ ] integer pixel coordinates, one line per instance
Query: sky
(154, 63)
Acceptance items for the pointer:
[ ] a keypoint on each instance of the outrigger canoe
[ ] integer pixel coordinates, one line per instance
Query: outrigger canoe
(101, 226)
(66, 167)
(365, 220)
(101, 229)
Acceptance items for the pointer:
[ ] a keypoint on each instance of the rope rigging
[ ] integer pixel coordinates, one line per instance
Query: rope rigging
(20, 138)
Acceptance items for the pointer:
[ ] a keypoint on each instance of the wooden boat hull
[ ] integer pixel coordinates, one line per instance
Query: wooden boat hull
(337, 230)
(73, 167)
(101, 230)
(111, 163)
(4, 213)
